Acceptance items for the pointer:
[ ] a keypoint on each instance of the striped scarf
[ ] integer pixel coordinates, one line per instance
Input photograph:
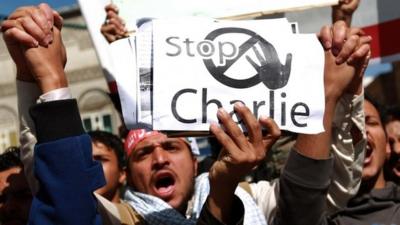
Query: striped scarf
(157, 212)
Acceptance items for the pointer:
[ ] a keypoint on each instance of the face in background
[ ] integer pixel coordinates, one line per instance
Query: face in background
(163, 167)
(377, 147)
(393, 133)
(15, 197)
(114, 175)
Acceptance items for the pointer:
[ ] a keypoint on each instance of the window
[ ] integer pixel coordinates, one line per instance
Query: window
(97, 121)
(8, 138)
(8, 128)
(97, 111)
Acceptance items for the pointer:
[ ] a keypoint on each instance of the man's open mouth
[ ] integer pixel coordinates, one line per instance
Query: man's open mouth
(368, 154)
(164, 184)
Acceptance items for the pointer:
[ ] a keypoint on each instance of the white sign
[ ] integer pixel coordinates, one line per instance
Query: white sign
(132, 10)
(95, 15)
(202, 65)
(125, 51)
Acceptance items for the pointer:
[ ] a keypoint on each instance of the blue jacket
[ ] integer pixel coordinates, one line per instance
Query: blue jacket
(64, 168)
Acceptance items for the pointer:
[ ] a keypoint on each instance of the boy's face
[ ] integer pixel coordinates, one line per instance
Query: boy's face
(15, 197)
(115, 176)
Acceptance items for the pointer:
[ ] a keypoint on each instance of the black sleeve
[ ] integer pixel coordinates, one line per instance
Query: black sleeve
(206, 217)
(56, 119)
(303, 188)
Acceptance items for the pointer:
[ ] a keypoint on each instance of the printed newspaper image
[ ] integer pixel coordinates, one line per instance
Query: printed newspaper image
(144, 61)
(124, 58)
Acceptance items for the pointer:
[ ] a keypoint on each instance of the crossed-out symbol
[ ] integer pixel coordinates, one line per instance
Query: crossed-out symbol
(271, 72)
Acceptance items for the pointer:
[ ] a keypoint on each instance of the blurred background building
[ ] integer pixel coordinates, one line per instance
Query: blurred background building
(84, 74)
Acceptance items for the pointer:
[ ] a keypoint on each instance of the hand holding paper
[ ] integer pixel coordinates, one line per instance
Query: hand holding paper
(113, 27)
(240, 154)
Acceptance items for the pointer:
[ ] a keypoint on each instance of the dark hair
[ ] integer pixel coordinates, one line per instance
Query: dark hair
(392, 113)
(111, 141)
(10, 158)
(379, 107)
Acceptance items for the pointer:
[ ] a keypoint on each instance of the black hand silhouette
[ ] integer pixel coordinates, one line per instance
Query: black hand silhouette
(271, 72)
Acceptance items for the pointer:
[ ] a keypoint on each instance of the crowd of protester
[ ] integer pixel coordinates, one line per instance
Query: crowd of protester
(61, 174)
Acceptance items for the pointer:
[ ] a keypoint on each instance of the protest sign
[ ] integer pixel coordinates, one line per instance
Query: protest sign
(94, 15)
(132, 10)
(126, 67)
(201, 65)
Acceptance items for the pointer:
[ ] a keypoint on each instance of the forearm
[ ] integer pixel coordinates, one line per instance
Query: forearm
(55, 81)
(27, 94)
(236, 213)
(348, 144)
(220, 200)
(302, 194)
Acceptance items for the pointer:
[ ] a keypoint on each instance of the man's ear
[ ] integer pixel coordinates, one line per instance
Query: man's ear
(122, 176)
(388, 150)
(195, 165)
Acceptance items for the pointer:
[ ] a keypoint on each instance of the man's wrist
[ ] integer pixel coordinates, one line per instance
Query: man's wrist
(52, 82)
(55, 95)
(222, 183)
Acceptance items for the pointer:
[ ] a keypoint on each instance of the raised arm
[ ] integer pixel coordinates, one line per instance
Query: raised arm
(306, 177)
(348, 128)
(63, 163)
(19, 33)
(239, 156)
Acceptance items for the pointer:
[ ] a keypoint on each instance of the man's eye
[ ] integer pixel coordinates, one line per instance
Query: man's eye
(142, 153)
(170, 146)
(372, 122)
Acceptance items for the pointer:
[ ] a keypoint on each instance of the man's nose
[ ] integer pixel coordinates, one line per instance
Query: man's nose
(160, 157)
